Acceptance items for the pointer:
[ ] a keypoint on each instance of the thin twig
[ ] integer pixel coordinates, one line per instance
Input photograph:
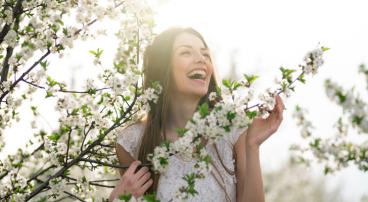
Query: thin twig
(25, 73)
(35, 176)
(67, 149)
(66, 90)
(85, 135)
(113, 165)
(74, 196)
(105, 180)
(60, 199)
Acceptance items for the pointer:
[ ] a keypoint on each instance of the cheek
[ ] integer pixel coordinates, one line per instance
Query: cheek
(178, 71)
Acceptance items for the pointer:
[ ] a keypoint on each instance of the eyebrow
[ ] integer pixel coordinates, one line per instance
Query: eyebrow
(203, 48)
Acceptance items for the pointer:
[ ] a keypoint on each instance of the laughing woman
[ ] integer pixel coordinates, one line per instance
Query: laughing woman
(183, 64)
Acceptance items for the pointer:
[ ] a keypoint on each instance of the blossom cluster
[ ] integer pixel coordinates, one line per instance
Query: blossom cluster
(313, 60)
(336, 147)
(83, 188)
(354, 106)
(58, 185)
(19, 182)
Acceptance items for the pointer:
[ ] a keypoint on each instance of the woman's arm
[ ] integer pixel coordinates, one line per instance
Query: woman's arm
(249, 176)
(240, 167)
(249, 185)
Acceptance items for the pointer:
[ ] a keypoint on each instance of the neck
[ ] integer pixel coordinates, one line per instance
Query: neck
(181, 107)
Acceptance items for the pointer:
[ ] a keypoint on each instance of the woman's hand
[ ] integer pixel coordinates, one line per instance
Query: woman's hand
(133, 183)
(261, 129)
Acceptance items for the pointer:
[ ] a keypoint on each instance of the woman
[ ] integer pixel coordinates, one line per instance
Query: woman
(181, 60)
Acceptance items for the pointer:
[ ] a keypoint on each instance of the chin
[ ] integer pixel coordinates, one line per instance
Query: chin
(199, 92)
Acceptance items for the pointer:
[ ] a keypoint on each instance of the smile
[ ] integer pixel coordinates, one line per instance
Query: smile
(198, 75)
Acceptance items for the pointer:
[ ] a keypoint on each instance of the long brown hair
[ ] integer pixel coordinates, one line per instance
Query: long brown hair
(157, 63)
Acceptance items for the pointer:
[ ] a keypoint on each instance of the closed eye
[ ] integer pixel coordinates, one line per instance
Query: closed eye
(187, 52)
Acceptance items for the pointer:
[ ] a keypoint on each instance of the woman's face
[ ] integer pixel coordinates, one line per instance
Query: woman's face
(191, 65)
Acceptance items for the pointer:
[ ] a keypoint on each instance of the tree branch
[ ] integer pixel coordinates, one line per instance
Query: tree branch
(42, 172)
(113, 165)
(74, 196)
(60, 199)
(30, 83)
(85, 135)
(7, 26)
(67, 149)
(25, 73)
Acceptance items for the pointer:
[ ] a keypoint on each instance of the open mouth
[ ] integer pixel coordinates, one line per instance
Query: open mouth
(199, 75)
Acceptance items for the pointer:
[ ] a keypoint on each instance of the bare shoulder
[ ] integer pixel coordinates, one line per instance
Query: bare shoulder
(127, 144)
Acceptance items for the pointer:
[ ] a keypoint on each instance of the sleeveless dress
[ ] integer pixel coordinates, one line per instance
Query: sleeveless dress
(209, 189)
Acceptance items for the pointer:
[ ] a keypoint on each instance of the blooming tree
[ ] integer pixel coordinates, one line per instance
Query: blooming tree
(90, 119)
(337, 151)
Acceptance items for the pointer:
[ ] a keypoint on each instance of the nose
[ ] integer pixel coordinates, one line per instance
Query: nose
(199, 58)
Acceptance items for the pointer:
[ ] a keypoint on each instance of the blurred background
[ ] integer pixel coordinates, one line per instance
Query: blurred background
(256, 38)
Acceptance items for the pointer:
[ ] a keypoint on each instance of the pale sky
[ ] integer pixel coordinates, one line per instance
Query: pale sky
(261, 36)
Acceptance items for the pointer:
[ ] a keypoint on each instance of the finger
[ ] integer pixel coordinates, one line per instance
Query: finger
(146, 186)
(144, 178)
(141, 172)
(133, 167)
(281, 102)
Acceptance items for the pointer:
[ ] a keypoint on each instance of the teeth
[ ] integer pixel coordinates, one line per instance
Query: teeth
(200, 72)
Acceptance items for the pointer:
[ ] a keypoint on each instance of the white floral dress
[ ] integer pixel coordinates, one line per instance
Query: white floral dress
(209, 189)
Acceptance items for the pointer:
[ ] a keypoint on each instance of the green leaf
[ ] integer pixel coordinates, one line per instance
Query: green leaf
(57, 137)
(19, 57)
(125, 197)
(92, 91)
(67, 172)
(163, 161)
(49, 94)
(218, 108)
(298, 108)
(199, 147)
(166, 144)
(250, 79)
(154, 84)
(230, 115)
(225, 83)
(48, 44)
(1, 56)
(181, 132)
(251, 114)
(218, 89)
(75, 112)
(207, 159)
(324, 48)
(227, 128)
(43, 64)
(65, 31)
(236, 85)
(191, 120)
(203, 110)
(327, 170)
(52, 137)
